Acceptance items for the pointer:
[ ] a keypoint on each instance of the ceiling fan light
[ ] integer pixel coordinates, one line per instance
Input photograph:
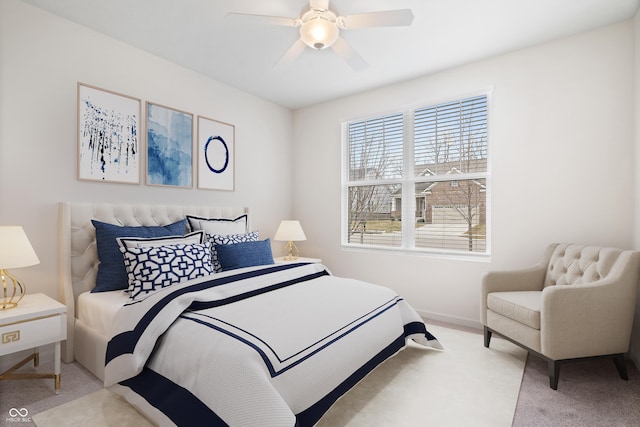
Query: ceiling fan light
(319, 33)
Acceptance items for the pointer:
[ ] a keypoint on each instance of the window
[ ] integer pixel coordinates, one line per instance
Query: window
(417, 179)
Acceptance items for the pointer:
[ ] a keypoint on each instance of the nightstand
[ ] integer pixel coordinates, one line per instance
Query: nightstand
(38, 320)
(281, 260)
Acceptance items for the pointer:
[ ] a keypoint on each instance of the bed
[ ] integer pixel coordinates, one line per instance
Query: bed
(258, 343)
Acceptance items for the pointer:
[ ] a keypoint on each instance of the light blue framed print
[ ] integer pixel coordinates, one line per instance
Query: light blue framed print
(169, 146)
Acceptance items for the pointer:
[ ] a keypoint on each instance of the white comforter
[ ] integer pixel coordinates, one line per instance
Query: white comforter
(263, 346)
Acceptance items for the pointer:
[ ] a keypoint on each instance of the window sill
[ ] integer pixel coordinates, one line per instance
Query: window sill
(432, 253)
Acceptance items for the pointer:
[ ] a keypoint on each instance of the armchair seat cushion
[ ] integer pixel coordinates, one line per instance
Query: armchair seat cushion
(522, 306)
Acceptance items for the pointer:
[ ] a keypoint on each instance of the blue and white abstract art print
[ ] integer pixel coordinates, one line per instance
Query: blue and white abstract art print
(169, 146)
(108, 136)
(216, 147)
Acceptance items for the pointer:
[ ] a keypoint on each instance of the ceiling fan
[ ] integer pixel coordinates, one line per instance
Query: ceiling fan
(320, 28)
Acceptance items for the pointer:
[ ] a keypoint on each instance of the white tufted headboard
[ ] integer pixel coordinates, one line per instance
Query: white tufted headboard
(78, 250)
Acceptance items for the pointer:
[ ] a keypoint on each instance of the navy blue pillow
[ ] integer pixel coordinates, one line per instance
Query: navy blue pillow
(245, 254)
(112, 274)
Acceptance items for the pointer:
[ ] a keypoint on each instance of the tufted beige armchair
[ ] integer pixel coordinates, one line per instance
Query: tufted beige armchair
(577, 303)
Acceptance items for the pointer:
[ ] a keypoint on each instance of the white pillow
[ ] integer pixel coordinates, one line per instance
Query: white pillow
(220, 226)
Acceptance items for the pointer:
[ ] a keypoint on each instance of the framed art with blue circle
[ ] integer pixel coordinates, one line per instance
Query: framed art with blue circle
(216, 149)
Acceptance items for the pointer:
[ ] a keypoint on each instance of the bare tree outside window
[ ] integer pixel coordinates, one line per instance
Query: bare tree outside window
(447, 145)
(375, 154)
(455, 136)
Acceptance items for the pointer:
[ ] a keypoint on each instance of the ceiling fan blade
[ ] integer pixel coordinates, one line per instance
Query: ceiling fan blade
(319, 4)
(263, 19)
(353, 58)
(292, 53)
(387, 18)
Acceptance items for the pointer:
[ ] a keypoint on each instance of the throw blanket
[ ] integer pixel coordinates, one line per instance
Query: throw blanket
(269, 346)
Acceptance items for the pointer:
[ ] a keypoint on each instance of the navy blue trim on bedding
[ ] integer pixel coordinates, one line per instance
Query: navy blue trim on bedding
(419, 328)
(184, 409)
(312, 415)
(350, 327)
(177, 403)
(201, 305)
(125, 342)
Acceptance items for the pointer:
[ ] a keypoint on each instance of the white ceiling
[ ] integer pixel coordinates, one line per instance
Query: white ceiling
(445, 33)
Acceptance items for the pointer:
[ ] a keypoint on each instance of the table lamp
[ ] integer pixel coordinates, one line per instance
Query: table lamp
(15, 252)
(290, 231)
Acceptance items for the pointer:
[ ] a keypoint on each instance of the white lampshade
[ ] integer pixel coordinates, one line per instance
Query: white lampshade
(15, 248)
(290, 231)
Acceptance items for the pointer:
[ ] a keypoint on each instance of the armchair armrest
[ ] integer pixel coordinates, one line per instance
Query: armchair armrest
(593, 318)
(525, 279)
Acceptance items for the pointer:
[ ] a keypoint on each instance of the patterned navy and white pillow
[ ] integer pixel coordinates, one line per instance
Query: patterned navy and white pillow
(150, 268)
(229, 239)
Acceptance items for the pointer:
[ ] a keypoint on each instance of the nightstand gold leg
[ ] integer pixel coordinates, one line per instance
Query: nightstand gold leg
(36, 359)
(10, 374)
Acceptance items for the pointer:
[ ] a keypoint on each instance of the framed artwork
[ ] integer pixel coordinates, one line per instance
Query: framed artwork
(169, 146)
(216, 154)
(108, 136)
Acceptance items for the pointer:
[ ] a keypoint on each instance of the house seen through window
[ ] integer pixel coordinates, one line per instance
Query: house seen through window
(417, 179)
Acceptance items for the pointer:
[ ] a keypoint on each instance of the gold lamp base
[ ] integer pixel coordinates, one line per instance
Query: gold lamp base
(290, 251)
(12, 294)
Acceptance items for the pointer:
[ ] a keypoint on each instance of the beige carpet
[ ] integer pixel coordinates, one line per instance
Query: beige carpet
(466, 384)
(100, 409)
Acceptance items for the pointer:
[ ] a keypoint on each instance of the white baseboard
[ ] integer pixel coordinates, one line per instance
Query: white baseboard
(460, 321)
(9, 360)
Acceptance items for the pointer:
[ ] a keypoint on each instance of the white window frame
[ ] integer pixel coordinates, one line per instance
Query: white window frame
(408, 182)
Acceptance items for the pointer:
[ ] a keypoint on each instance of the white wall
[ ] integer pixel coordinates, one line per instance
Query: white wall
(635, 339)
(561, 144)
(42, 57)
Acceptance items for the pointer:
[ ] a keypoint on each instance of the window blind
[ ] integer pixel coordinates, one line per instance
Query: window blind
(452, 134)
(439, 204)
(375, 148)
